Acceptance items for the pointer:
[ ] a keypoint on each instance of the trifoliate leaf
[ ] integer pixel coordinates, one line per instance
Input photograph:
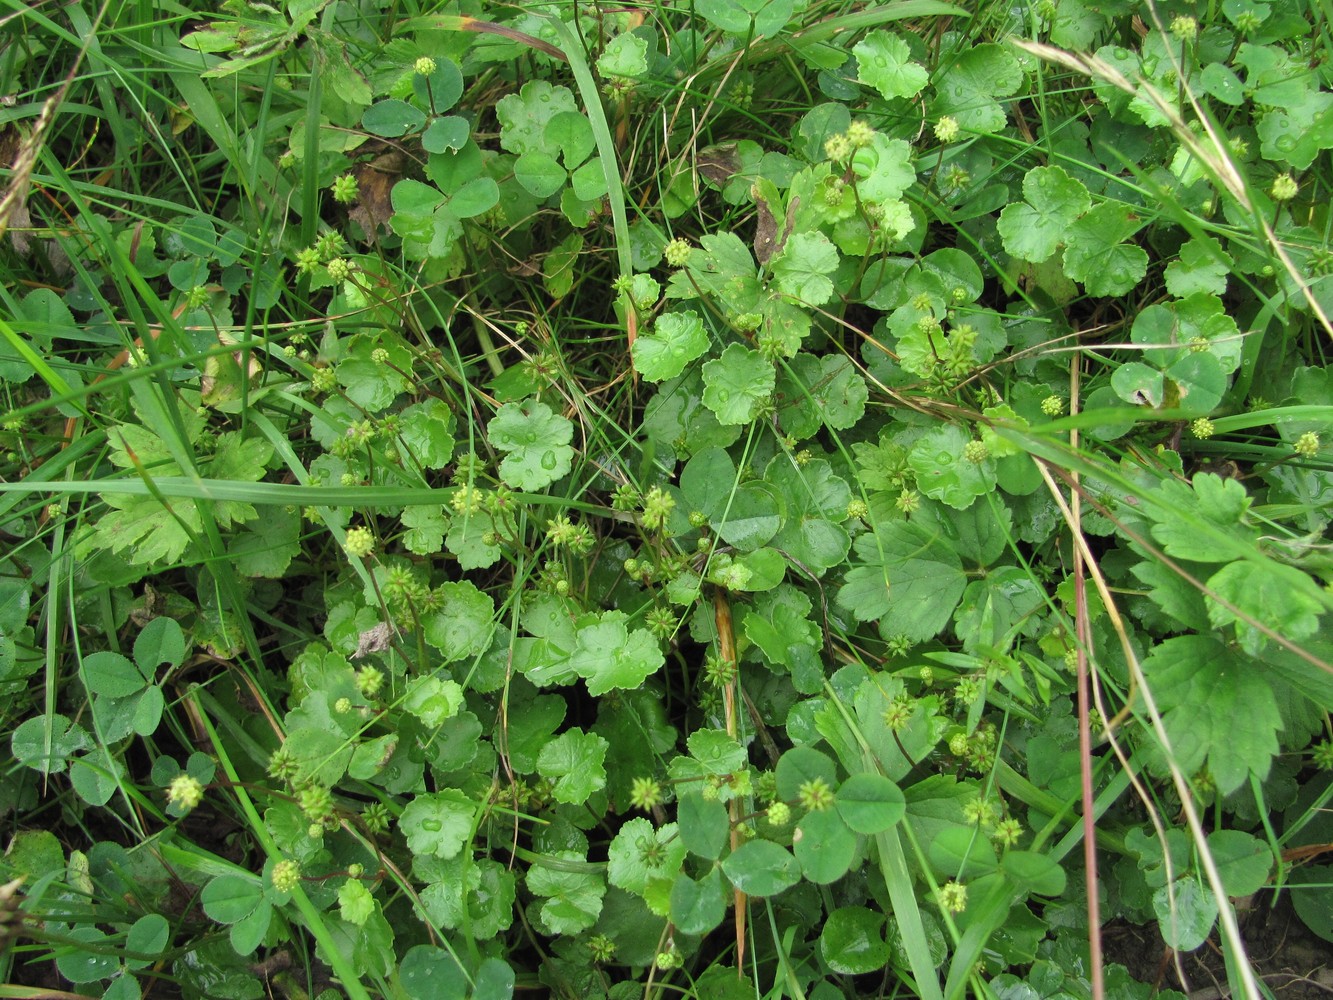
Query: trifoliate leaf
(1033, 228)
(883, 61)
(675, 340)
(608, 655)
(574, 761)
(803, 267)
(1218, 707)
(1197, 324)
(812, 534)
(523, 116)
(438, 823)
(537, 442)
(967, 89)
(1096, 255)
(737, 384)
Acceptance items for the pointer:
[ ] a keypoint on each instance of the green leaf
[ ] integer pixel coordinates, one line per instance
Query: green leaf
(780, 628)
(229, 898)
(524, 116)
(433, 700)
(870, 803)
(392, 118)
(355, 903)
(1034, 228)
(608, 655)
(1096, 255)
(883, 62)
(824, 846)
(967, 89)
(112, 676)
(438, 824)
(716, 752)
(737, 384)
(852, 941)
(922, 569)
(703, 825)
(761, 868)
(698, 907)
(803, 267)
(29, 742)
(537, 442)
(149, 935)
(574, 762)
(800, 765)
(96, 775)
(91, 964)
(942, 471)
(883, 170)
(539, 173)
(961, 852)
(625, 55)
(1243, 861)
(1202, 266)
(426, 527)
(445, 134)
(1217, 707)
(1185, 913)
(1034, 872)
(1268, 594)
(676, 339)
(462, 628)
(639, 853)
(573, 898)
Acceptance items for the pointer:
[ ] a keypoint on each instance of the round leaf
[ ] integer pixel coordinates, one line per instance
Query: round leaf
(870, 803)
(824, 847)
(392, 118)
(852, 941)
(761, 868)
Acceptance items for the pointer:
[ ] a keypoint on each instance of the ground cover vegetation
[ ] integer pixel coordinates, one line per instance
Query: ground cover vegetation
(730, 498)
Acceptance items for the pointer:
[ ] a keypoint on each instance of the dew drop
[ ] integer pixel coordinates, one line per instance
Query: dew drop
(432, 825)
(548, 460)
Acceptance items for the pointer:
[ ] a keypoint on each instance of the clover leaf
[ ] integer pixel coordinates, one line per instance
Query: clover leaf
(523, 116)
(537, 442)
(883, 62)
(737, 384)
(1033, 228)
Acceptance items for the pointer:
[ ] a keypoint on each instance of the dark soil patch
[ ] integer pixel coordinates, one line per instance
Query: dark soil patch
(1291, 962)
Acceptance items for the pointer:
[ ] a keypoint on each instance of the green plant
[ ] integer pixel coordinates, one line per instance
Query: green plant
(652, 500)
